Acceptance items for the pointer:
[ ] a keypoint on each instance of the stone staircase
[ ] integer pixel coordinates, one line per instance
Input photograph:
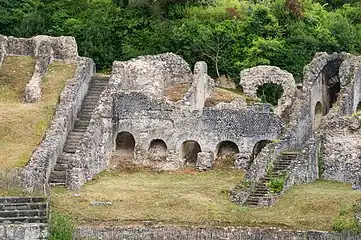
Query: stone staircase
(280, 165)
(96, 87)
(20, 210)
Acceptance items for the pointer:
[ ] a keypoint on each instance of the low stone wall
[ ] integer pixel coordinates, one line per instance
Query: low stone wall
(44, 157)
(193, 233)
(29, 231)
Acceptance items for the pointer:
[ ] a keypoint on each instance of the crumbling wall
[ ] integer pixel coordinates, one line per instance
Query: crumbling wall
(44, 157)
(45, 49)
(255, 77)
(151, 74)
(341, 149)
(29, 231)
(148, 119)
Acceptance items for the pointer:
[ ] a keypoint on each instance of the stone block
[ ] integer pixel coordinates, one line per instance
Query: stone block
(205, 160)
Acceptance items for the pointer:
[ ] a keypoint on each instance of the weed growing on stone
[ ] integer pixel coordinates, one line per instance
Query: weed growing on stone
(276, 184)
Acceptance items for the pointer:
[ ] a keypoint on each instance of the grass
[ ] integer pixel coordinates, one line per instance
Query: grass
(199, 198)
(22, 126)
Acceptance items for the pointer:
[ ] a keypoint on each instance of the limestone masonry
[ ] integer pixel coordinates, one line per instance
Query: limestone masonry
(314, 131)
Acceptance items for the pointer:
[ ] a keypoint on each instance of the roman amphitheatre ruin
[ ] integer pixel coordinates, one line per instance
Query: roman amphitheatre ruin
(155, 112)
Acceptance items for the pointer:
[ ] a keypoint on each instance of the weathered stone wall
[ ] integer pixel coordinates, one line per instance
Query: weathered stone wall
(29, 231)
(44, 157)
(45, 49)
(194, 233)
(148, 119)
(151, 74)
(255, 77)
(341, 149)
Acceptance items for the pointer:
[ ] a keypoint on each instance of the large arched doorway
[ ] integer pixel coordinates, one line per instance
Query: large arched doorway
(318, 115)
(125, 144)
(189, 150)
(257, 148)
(158, 149)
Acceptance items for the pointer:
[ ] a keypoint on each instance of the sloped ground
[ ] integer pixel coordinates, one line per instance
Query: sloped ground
(22, 126)
(199, 198)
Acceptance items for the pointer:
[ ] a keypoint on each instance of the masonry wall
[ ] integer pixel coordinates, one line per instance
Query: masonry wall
(189, 233)
(30, 231)
(147, 119)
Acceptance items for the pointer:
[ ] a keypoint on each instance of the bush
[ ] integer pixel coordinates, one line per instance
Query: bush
(276, 184)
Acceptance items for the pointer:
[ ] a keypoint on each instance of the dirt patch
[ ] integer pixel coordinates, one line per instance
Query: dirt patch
(176, 92)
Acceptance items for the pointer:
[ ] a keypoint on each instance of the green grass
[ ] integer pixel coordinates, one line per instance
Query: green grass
(199, 198)
(22, 126)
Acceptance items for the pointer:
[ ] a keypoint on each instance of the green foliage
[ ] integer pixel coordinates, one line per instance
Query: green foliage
(230, 35)
(276, 184)
(62, 226)
(346, 220)
(270, 93)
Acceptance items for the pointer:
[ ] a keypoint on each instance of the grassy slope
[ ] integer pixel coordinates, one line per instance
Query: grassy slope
(195, 198)
(22, 126)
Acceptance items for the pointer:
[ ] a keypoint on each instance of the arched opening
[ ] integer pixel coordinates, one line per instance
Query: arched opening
(227, 148)
(331, 83)
(358, 108)
(256, 150)
(125, 144)
(318, 115)
(270, 93)
(158, 149)
(226, 154)
(189, 150)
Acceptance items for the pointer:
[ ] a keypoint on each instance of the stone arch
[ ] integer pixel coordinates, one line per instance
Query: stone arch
(317, 115)
(157, 145)
(226, 148)
(158, 150)
(252, 78)
(257, 148)
(189, 150)
(125, 144)
(358, 108)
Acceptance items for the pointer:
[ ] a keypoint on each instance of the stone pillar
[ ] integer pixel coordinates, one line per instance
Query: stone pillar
(205, 160)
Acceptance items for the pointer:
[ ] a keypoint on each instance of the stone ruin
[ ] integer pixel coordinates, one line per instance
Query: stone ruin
(313, 132)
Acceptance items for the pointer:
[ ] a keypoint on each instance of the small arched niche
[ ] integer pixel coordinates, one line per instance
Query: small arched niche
(189, 150)
(318, 115)
(125, 144)
(158, 150)
(227, 148)
(270, 93)
(358, 108)
(257, 148)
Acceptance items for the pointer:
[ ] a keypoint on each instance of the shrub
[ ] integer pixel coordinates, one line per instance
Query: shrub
(346, 220)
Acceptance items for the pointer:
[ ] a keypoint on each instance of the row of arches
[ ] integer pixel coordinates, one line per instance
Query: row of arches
(125, 144)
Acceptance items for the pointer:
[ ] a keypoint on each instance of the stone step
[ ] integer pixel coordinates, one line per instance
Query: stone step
(60, 167)
(42, 219)
(100, 79)
(81, 123)
(15, 200)
(23, 213)
(22, 206)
